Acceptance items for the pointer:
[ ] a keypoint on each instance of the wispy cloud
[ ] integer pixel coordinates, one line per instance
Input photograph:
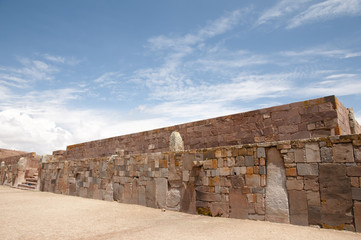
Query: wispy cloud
(324, 52)
(108, 78)
(326, 10)
(281, 9)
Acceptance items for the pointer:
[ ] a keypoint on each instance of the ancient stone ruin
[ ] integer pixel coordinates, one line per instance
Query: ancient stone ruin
(298, 163)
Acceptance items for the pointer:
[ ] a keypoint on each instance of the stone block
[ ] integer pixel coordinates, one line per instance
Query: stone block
(142, 196)
(326, 155)
(307, 169)
(225, 171)
(312, 153)
(311, 183)
(357, 216)
(355, 182)
(313, 198)
(237, 182)
(238, 204)
(291, 172)
(294, 184)
(161, 187)
(208, 197)
(276, 195)
(150, 194)
(262, 170)
(253, 180)
(353, 171)
(336, 197)
(299, 155)
(298, 207)
(357, 154)
(249, 160)
(342, 152)
(188, 204)
(261, 152)
(356, 194)
(173, 199)
(219, 209)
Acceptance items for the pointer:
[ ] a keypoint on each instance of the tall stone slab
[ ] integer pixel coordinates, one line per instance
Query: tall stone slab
(336, 197)
(276, 194)
(298, 207)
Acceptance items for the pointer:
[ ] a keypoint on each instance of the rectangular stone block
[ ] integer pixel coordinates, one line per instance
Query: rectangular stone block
(238, 204)
(342, 152)
(298, 208)
(307, 169)
(357, 216)
(336, 195)
(253, 180)
(294, 184)
(326, 155)
(354, 171)
(300, 155)
(356, 194)
(261, 152)
(312, 153)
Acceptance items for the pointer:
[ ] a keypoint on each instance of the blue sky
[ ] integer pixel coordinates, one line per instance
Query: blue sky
(74, 71)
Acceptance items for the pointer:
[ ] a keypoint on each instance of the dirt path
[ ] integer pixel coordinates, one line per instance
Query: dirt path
(40, 215)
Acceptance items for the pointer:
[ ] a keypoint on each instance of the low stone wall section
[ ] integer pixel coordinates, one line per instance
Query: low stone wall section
(304, 182)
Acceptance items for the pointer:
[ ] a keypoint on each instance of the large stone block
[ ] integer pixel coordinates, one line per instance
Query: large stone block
(326, 155)
(299, 155)
(342, 152)
(238, 204)
(312, 153)
(336, 197)
(188, 204)
(357, 216)
(307, 169)
(298, 207)
(208, 197)
(150, 194)
(276, 194)
(161, 192)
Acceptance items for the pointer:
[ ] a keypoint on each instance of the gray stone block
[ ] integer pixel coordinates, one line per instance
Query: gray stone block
(356, 194)
(249, 161)
(307, 169)
(298, 208)
(261, 152)
(326, 155)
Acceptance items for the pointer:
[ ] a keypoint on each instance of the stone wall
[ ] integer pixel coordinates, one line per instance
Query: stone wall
(314, 118)
(312, 181)
(14, 170)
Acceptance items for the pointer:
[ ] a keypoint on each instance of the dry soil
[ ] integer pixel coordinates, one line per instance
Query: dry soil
(40, 215)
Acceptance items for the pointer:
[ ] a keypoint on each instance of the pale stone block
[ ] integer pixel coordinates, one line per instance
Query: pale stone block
(294, 184)
(342, 152)
(253, 180)
(300, 155)
(312, 152)
(261, 152)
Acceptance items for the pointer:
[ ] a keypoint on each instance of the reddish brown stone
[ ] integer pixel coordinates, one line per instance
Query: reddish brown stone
(298, 207)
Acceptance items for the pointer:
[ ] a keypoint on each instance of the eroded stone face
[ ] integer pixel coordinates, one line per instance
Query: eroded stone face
(176, 142)
(276, 195)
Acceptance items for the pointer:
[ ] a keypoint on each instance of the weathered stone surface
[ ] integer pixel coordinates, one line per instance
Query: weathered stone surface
(356, 194)
(208, 197)
(357, 154)
(298, 207)
(311, 183)
(176, 142)
(312, 153)
(118, 191)
(237, 182)
(142, 196)
(326, 155)
(357, 214)
(150, 194)
(307, 169)
(336, 195)
(253, 180)
(161, 186)
(276, 194)
(354, 171)
(238, 204)
(219, 209)
(294, 184)
(299, 155)
(188, 204)
(261, 152)
(342, 152)
(173, 199)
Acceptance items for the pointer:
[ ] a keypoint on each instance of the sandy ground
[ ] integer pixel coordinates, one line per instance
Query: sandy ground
(40, 215)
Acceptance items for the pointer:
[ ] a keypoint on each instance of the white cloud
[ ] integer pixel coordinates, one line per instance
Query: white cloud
(324, 52)
(326, 10)
(182, 44)
(108, 78)
(57, 59)
(282, 8)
